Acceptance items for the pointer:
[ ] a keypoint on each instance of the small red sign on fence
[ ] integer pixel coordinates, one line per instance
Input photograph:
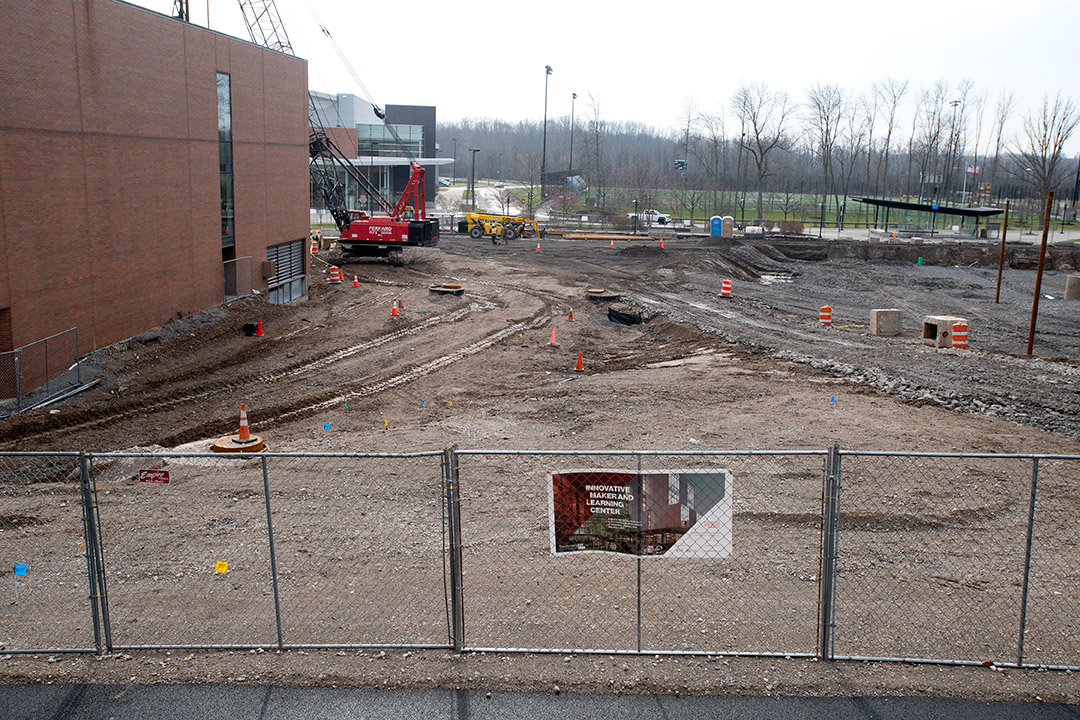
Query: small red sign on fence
(155, 477)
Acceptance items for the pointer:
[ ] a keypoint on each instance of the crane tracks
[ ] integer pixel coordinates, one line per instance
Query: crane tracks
(361, 389)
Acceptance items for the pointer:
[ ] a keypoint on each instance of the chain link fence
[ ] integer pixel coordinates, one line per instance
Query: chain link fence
(44, 579)
(955, 558)
(39, 372)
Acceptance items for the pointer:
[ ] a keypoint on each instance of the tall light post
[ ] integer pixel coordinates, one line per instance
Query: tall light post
(543, 151)
(570, 170)
(472, 177)
(455, 162)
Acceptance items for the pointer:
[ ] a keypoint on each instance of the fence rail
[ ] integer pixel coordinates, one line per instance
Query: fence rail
(948, 558)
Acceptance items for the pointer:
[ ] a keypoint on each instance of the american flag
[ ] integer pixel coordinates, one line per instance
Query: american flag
(974, 168)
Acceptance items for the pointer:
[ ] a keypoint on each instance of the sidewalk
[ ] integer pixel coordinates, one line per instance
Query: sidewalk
(237, 702)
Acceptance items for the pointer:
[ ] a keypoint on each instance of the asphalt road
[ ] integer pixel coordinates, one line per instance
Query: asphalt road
(209, 702)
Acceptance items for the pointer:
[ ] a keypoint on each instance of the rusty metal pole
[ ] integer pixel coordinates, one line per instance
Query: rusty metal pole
(1001, 258)
(1038, 276)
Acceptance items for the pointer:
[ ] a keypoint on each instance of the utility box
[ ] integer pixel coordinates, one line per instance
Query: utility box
(716, 226)
(886, 322)
(937, 330)
(728, 227)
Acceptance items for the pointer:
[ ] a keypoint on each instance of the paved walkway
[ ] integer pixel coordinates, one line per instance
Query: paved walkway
(237, 702)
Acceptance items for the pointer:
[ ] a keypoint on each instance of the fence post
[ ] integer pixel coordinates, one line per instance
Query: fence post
(273, 557)
(93, 528)
(830, 526)
(638, 487)
(1027, 562)
(453, 514)
(90, 545)
(18, 380)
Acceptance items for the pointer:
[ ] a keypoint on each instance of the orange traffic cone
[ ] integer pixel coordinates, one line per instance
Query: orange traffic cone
(393, 308)
(570, 317)
(579, 367)
(355, 281)
(244, 441)
(661, 243)
(245, 432)
(612, 246)
(258, 333)
(552, 340)
(537, 247)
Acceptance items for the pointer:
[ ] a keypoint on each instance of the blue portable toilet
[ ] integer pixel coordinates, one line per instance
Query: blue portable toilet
(716, 226)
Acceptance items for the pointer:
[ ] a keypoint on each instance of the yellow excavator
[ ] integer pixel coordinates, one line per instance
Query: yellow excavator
(506, 227)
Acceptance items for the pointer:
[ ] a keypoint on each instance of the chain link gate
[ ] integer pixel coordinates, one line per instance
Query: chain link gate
(641, 552)
(271, 550)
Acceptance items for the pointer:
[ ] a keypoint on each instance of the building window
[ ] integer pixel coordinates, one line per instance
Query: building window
(225, 165)
(379, 140)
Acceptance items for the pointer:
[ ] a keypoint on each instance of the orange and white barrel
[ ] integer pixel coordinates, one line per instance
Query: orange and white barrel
(960, 336)
(824, 315)
(335, 275)
(725, 289)
(314, 247)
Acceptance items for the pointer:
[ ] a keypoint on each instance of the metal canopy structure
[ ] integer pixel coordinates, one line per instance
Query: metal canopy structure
(975, 212)
(934, 209)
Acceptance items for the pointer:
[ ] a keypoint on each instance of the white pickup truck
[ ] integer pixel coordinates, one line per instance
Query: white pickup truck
(651, 216)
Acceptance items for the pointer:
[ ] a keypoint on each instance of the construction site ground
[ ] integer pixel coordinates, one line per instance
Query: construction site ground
(494, 368)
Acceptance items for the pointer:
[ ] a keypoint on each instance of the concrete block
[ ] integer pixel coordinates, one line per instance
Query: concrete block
(886, 322)
(1072, 287)
(937, 330)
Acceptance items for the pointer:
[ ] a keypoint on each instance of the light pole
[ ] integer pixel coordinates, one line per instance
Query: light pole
(472, 177)
(635, 216)
(543, 151)
(455, 162)
(570, 171)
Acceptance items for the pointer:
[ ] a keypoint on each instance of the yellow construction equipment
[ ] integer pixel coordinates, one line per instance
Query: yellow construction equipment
(506, 227)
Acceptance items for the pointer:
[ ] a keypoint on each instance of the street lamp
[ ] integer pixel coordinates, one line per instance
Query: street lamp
(455, 162)
(570, 171)
(472, 177)
(543, 152)
(635, 217)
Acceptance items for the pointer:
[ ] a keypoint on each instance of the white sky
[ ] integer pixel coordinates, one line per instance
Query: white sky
(643, 63)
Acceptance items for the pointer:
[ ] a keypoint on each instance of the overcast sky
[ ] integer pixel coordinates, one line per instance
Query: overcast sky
(645, 62)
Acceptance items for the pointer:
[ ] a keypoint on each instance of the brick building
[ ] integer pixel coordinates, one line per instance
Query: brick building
(148, 170)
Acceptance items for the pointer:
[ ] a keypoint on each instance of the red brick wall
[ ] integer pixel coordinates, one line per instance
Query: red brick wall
(109, 182)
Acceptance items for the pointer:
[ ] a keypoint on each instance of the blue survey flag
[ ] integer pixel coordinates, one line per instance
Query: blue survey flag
(20, 569)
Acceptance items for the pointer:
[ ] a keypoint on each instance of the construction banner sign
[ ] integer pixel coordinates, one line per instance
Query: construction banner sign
(669, 513)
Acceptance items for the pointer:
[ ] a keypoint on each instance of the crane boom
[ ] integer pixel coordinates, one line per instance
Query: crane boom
(362, 235)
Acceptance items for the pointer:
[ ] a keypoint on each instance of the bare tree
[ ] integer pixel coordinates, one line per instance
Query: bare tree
(711, 153)
(826, 104)
(850, 145)
(891, 92)
(1037, 154)
(764, 112)
(1005, 106)
(595, 151)
(957, 143)
(979, 106)
(530, 164)
(930, 124)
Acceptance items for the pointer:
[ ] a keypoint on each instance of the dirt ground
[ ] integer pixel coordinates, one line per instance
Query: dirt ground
(339, 373)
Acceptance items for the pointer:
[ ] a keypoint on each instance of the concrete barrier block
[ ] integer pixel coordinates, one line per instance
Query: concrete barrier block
(886, 322)
(1072, 287)
(937, 330)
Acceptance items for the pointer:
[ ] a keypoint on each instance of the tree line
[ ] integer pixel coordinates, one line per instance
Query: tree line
(943, 143)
